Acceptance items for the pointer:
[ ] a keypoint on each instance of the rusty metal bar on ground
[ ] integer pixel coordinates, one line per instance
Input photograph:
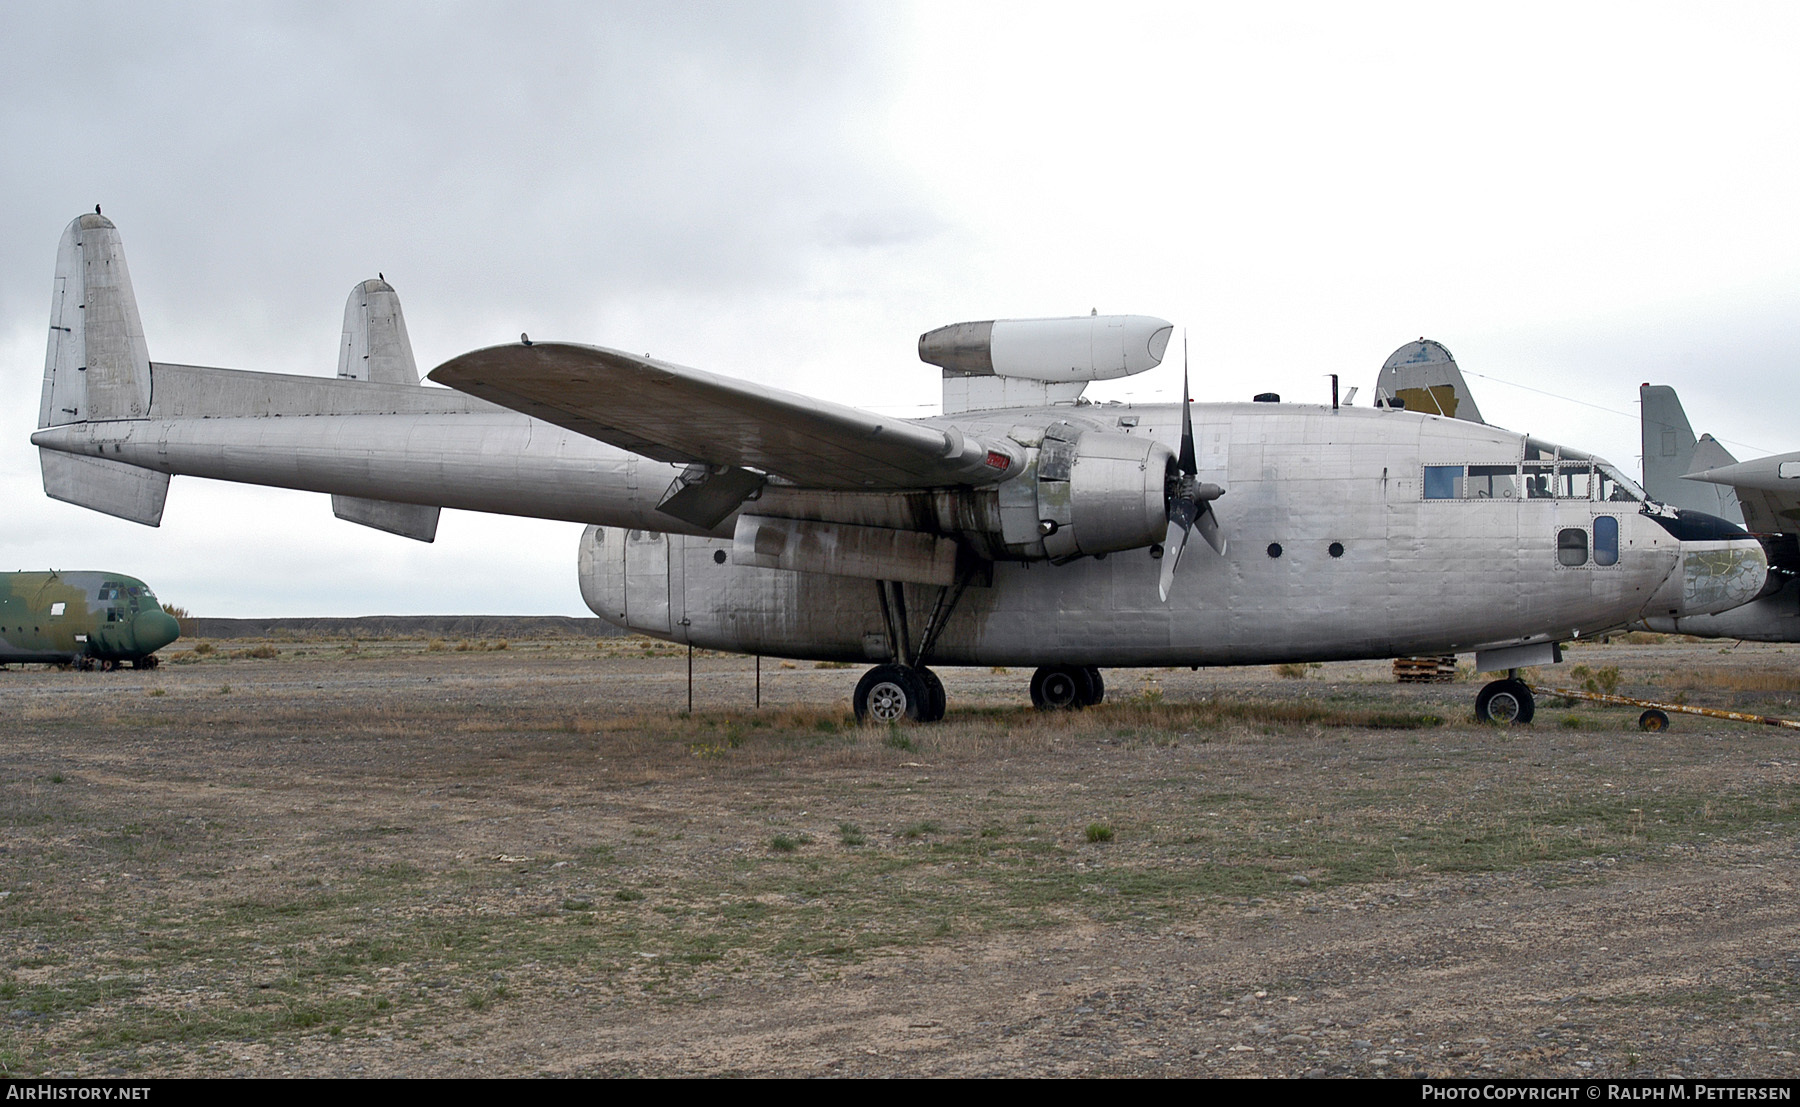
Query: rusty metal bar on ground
(1685, 709)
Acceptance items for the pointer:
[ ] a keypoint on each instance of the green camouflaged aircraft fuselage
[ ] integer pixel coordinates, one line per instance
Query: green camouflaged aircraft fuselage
(76, 618)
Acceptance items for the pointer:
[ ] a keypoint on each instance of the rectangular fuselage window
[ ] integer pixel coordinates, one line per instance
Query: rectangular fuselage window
(1441, 481)
(1492, 482)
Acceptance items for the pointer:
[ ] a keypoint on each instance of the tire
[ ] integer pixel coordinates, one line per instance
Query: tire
(935, 704)
(1061, 688)
(888, 694)
(148, 661)
(1505, 703)
(1653, 721)
(1097, 683)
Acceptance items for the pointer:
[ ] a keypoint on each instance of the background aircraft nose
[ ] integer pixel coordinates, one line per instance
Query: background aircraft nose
(152, 630)
(1720, 574)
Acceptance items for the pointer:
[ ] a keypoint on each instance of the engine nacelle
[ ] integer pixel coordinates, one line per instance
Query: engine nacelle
(1091, 493)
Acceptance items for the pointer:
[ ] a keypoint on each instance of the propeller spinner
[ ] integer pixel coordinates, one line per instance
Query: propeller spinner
(1190, 499)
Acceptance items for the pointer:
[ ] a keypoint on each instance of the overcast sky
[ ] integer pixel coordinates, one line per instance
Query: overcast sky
(1574, 198)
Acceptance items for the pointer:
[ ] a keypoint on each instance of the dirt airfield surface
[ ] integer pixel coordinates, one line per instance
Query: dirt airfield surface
(405, 858)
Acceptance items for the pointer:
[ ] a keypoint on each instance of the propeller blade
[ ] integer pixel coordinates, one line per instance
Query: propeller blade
(1189, 466)
(1189, 501)
(1172, 547)
(1208, 525)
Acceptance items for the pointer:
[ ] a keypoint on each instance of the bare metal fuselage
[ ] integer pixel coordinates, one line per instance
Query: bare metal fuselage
(1333, 551)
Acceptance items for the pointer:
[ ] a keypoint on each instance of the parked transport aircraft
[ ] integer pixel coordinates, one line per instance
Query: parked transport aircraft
(1764, 494)
(82, 619)
(1021, 527)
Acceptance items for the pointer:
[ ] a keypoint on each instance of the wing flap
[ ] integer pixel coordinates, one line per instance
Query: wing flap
(672, 413)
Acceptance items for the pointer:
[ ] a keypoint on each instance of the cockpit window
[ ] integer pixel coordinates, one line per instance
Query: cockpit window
(1492, 482)
(1441, 481)
(1545, 474)
(1615, 487)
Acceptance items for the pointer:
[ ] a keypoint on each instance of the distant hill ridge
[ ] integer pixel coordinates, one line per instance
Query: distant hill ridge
(405, 626)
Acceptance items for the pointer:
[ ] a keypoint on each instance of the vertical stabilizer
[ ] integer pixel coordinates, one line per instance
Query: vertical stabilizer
(97, 369)
(97, 366)
(375, 348)
(1670, 451)
(1425, 378)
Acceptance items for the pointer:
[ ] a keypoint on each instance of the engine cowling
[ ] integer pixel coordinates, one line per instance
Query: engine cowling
(1090, 493)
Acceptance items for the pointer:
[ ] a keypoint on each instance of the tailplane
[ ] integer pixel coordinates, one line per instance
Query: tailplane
(97, 370)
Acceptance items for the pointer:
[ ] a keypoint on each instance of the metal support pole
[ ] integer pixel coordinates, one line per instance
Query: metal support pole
(690, 709)
(759, 680)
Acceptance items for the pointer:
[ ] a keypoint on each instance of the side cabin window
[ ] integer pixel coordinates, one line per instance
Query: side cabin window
(56, 609)
(1606, 540)
(1441, 481)
(1572, 546)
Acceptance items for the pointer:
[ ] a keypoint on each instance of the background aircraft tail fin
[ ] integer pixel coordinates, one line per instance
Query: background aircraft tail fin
(375, 348)
(1671, 451)
(1425, 377)
(97, 370)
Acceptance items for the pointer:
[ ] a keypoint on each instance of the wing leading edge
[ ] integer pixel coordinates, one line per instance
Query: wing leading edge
(672, 413)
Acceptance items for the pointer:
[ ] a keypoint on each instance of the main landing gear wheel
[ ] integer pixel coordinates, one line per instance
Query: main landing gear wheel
(1505, 702)
(1097, 683)
(148, 661)
(935, 704)
(1653, 721)
(1063, 688)
(889, 693)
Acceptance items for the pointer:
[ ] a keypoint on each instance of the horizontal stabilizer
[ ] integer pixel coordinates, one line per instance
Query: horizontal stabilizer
(415, 521)
(105, 486)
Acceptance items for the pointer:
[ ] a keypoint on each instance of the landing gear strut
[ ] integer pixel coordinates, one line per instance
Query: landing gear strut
(1066, 687)
(889, 693)
(1505, 702)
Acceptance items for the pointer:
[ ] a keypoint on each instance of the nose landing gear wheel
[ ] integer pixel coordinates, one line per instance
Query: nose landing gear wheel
(1653, 721)
(1062, 688)
(889, 693)
(1505, 703)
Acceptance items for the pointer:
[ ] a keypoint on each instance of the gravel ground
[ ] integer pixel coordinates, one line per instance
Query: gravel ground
(385, 859)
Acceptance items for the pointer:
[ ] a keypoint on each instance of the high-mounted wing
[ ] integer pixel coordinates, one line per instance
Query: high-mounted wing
(1768, 490)
(672, 413)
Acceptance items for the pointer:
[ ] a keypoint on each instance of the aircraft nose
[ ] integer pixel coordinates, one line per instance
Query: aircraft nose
(152, 630)
(1720, 574)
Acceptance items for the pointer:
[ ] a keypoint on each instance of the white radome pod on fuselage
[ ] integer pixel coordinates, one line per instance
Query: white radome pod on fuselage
(1077, 348)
